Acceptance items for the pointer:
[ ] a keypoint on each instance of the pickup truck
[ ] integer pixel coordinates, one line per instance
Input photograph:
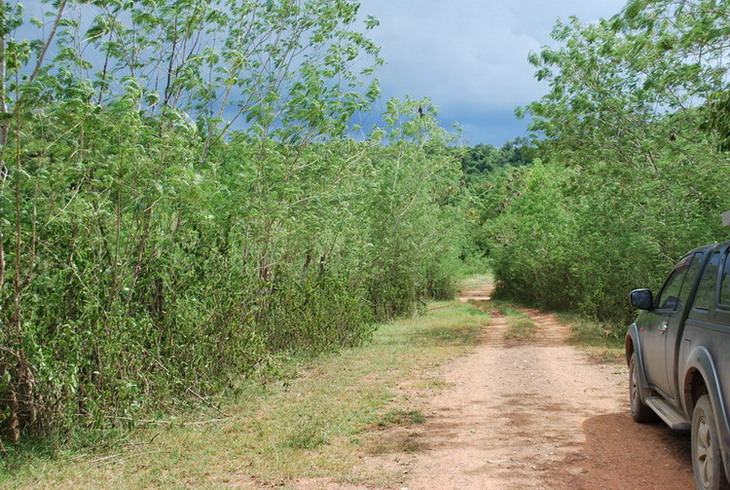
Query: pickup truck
(678, 352)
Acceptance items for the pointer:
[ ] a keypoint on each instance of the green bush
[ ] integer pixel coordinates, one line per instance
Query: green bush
(152, 253)
(631, 174)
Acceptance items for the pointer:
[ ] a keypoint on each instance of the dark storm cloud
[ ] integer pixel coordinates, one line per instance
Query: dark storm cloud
(470, 56)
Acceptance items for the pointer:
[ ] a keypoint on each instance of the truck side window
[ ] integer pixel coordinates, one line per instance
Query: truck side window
(725, 282)
(706, 289)
(669, 297)
(692, 273)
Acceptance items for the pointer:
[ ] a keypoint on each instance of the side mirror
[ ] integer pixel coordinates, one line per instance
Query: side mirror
(642, 299)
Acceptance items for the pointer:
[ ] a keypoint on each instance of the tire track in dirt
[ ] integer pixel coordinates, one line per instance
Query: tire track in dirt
(538, 414)
(533, 413)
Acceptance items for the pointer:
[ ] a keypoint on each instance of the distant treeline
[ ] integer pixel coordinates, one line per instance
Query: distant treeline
(149, 253)
(631, 166)
(479, 162)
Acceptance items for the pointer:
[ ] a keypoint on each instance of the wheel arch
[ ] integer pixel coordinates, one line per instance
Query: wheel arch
(694, 387)
(632, 344)
(700, 378)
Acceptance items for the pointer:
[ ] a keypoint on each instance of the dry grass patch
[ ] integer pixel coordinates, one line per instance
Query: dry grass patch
(397, 441)
(602, 342)
(402, 418)
(520, 325)
(474, 282)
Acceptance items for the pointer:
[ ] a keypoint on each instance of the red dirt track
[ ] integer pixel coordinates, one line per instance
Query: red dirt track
(538, 413)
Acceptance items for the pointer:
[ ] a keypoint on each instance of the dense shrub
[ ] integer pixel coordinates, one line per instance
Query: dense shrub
(632, 174)
(149, 252)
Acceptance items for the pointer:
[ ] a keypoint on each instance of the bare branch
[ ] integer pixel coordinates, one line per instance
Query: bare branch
(49, 40)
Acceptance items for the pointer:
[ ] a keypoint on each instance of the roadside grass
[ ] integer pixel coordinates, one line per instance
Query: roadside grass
(475, 282)
(602, 342)
(520, 325)
(314, 425)
(402, 417)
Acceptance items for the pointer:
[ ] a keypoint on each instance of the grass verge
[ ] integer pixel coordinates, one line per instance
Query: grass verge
(314, 425)
(520, 325)
(475, 282)
(603, 343)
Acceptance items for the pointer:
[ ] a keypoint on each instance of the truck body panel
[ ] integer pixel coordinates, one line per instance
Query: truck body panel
(682, 342)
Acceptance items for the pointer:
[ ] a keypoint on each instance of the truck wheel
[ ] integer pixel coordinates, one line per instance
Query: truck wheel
(639, 411)
(707, 464)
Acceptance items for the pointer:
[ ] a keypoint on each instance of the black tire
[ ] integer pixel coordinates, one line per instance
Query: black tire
(639, 411)
(709, 473)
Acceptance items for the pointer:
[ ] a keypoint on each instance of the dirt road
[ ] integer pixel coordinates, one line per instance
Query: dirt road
(538, 413)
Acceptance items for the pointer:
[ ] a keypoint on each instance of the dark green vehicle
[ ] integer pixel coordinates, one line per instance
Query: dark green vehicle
(678, 351)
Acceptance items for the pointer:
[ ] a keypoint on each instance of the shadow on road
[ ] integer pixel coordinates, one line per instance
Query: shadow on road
(621, 454)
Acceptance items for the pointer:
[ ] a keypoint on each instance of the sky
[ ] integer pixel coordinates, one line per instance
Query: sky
(470, 56)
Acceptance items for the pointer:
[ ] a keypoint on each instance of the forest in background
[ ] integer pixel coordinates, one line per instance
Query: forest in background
(631, 164)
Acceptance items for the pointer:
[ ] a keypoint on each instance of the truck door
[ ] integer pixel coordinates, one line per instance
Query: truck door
(660, 330)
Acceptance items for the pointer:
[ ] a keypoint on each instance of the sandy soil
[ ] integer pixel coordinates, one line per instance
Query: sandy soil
(539, 414)
(533, 413)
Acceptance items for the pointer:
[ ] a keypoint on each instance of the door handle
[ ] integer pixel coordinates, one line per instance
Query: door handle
(663, 327)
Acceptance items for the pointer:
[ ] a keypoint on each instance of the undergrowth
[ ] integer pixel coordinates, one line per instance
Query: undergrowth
(314, 420)
(603, 341)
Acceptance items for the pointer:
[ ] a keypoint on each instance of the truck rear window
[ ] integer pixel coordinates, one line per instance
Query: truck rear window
(706, 288)
(725, 282)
